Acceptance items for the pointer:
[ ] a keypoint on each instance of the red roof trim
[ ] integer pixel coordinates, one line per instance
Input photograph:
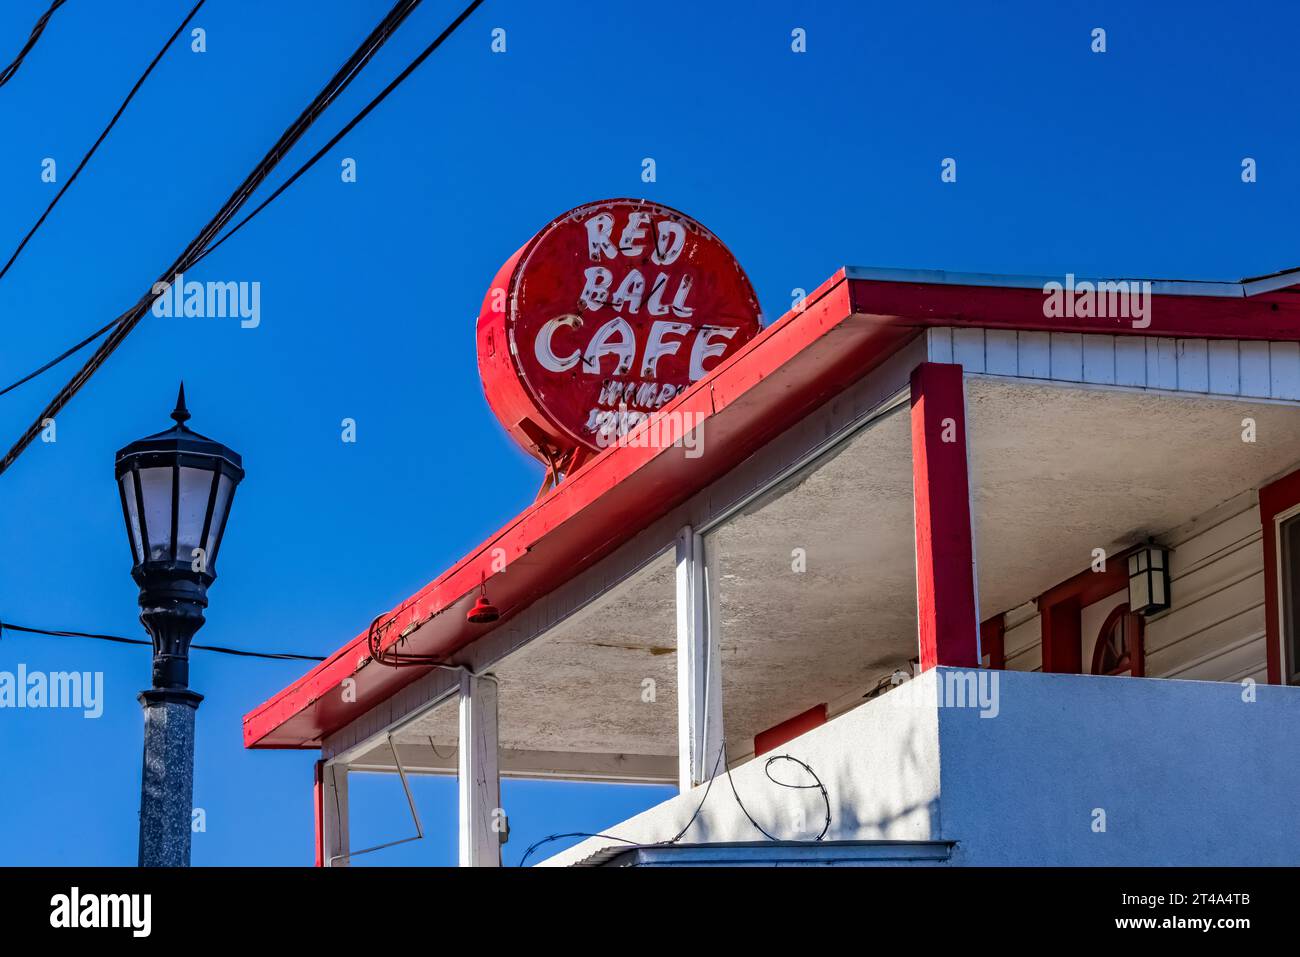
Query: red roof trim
(847, 327)
(1273, 316)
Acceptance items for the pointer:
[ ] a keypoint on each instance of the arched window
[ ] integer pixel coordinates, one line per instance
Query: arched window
(1119, 645)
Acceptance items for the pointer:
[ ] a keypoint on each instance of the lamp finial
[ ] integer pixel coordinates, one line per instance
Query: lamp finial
(180, 413)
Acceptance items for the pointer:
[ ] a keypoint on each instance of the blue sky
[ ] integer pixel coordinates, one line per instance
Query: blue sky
(1122, 163)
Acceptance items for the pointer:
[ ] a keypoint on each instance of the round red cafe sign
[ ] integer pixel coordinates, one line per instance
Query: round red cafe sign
(603, 317)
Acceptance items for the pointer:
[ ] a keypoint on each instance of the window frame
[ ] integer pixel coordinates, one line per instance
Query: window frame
(1288, 651)
(1136, 647)
(1279, 501)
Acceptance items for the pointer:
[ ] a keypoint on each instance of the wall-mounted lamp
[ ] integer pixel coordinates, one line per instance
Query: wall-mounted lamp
(1148, 579)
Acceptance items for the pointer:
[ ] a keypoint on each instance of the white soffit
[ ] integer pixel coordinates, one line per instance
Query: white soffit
(1058, 471)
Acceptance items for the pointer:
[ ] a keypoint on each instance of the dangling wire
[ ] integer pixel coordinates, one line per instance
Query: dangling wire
(767, 770)
(389, 657)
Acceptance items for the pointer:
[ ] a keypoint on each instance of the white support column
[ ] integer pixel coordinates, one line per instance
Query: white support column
(335, 845)
(699, 676)
(478, 773)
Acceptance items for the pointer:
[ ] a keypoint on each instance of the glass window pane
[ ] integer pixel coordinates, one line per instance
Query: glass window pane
(224, 489)
(156, 486)
(132, 516)
(196, 486)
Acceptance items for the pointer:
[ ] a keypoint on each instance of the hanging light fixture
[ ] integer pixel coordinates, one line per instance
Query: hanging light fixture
(1148, 579)
(483, 612)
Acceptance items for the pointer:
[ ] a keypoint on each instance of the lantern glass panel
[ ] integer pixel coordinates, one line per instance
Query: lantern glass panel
(1158, 596)
(1140, 591)
(156, 487)
(132, 516)
(196, 488)
(225, 488)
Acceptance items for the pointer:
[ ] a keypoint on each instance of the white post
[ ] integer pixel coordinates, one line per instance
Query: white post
(334, 815)
(478, 773)
(699, 676)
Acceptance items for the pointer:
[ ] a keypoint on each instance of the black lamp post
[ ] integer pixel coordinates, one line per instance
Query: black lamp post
(176, 489)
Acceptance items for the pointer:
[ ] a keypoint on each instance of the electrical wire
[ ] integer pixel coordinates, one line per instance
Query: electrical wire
(200, 244)
(63, 355)
(7, 73)
(767, 770)
(393, 659)
(559, 837)
(347, 128)
(680, 834)
(383, 94)
(118, 639)
(389, 657)
(102, 136)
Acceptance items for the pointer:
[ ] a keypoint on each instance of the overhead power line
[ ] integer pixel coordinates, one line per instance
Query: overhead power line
(451, 28)
(7, 73)
(201, 243)
(118, 639)
(102, 136)
(63, 355)
(266, 202)
(365, 111)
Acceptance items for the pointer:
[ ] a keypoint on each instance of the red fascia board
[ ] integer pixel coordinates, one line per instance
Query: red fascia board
(1273, 315)
(845, 329)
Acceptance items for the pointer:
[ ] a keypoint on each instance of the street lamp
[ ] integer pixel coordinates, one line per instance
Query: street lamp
(176, 488)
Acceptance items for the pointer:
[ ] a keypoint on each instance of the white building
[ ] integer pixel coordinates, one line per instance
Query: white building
(928, 475)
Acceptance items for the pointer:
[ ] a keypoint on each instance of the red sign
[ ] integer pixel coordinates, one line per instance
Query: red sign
(602, 318)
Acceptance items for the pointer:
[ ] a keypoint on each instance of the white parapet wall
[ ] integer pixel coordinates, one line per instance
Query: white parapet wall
(1024, 768)
(1083, 770)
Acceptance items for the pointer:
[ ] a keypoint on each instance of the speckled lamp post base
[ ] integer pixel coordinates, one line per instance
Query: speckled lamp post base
(167, 785)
